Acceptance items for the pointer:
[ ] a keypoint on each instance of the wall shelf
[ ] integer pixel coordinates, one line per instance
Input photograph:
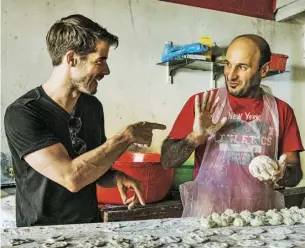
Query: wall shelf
(193, 64)
(202, 65)
(275, 72)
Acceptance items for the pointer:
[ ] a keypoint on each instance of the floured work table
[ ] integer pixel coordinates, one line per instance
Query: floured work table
(171, 207)
(182, 232)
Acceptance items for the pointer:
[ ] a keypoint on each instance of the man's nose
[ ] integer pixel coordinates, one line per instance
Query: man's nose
(105, 69)
(232, 74)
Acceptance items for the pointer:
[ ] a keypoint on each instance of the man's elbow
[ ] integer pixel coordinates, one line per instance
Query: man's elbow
(72, 187)
(72, 184)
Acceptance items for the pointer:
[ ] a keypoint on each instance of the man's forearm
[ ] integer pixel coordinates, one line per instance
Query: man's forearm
(93, 164)
(293, 175)
(175, 152)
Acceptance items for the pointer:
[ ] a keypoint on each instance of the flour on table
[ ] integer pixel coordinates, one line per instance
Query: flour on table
(251, 243)
(281, 244)
(119, 242)
(253, 231)
(193, 239)
(60, 238)
(296, 236)
(178, 246)
(241, 236)
(215, 245)
(146, 238)
(204, 233)
(59, 244)
(299, 243)
(15, 242)
(92, 243)
(56, 239)
(170, 239)
(272, 237)
(281, 230)
(149, 244)
(187, 230)
(226, 232)
(25, 230)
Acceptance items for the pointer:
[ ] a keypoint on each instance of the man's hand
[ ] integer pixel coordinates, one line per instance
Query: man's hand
(125, 182)
(141, 133)
(203, 125)
(266, 169)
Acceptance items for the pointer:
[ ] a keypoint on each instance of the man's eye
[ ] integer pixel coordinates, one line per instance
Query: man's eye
(227, 64)
(243, 67)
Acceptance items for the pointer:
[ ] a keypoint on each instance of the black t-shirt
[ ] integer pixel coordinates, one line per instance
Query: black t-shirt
(35, 121)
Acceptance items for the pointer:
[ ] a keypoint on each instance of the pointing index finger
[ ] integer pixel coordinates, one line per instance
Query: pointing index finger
(154, 125)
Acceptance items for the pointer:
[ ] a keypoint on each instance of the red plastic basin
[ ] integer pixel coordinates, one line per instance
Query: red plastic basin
(278, 62)
(146, 168)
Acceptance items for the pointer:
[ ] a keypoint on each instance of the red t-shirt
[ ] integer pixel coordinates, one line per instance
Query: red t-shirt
(289, 135)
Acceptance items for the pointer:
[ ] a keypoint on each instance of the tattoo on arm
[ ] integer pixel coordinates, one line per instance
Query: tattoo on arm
(293, 175)
(175, 152)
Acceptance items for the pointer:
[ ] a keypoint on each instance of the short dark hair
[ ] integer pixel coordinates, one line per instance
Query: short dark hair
(262, 44)
(77, 33)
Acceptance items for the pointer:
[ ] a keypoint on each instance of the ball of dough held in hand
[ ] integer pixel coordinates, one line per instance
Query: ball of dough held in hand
(263, 167)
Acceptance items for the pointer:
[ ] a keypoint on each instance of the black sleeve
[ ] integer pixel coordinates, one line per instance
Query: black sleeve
(26, 131)
(103, 138)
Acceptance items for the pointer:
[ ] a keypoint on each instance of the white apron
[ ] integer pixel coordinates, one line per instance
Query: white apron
(224, 181)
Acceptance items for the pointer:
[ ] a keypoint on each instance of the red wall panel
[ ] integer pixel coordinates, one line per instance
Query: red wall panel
(255, 8)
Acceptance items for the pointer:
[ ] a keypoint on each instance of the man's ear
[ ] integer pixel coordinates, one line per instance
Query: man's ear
(71, 58)
(265, 69)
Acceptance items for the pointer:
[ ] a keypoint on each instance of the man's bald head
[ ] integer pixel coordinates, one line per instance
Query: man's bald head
(262, 45)
(246, 64)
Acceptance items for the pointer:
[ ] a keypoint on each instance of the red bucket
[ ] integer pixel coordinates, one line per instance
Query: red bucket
(146, 168)
(278, 62)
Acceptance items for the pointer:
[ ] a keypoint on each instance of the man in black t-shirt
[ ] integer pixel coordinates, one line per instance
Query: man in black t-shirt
(56, 132)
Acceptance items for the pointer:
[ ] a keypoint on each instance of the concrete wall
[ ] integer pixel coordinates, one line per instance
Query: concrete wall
(136, 90)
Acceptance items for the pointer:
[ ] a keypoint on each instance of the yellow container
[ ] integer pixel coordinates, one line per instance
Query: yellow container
(206, 40)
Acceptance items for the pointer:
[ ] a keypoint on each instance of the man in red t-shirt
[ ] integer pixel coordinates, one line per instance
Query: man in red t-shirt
(243, 106)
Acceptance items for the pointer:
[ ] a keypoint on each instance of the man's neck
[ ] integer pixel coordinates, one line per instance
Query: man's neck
(59, 89)
(255, 93)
